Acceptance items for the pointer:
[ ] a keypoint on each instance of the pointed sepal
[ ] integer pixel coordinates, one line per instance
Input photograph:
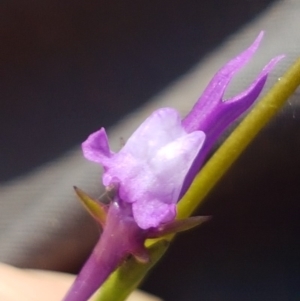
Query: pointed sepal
(96, 209)
(177, 226)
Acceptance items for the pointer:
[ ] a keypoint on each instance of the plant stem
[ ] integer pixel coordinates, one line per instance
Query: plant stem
(121, 237)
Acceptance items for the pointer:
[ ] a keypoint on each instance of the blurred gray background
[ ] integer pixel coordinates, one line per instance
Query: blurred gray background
(69, 67)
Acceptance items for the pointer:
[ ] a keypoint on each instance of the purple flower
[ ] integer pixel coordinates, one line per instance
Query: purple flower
(150, 169)
(159, 161)
(153, 170)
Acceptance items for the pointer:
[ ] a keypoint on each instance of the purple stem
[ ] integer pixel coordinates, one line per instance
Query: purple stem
(121, 237)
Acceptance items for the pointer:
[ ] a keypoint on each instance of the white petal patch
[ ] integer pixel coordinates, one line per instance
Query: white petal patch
(160, 128)
(172, 162)
(152, 212)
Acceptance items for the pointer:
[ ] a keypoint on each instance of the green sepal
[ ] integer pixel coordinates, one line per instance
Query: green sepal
(178, 226)
(95, 208)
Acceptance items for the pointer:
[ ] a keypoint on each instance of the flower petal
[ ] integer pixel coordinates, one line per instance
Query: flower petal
(172, 163)
(126, 170)
(217, 114)
(160, 128)
(212, 96)
(152, 212)
(96, 148)
(255, 88)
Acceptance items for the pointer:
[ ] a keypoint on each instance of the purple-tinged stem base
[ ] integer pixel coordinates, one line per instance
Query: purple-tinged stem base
(121, 236)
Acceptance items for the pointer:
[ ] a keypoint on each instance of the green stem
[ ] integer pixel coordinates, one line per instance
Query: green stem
(209, 175)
